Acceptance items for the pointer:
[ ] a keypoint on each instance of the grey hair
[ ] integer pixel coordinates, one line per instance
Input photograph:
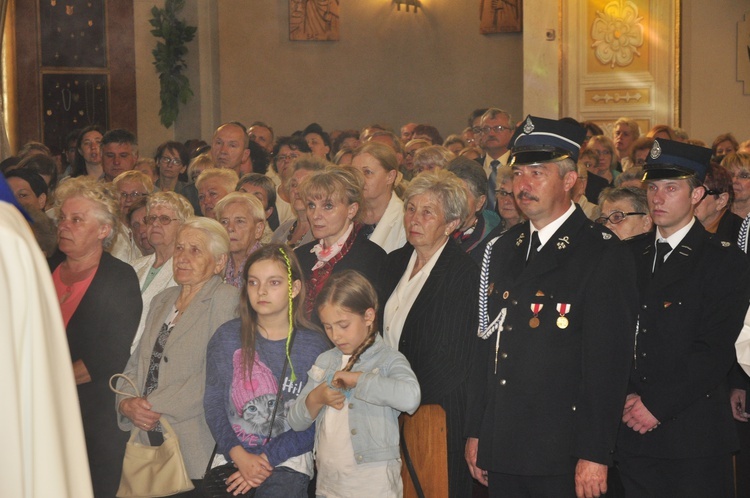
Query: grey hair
(218, 239)
(494, 112)
(446, 187)
(107, 211)
(636, 196)
(176, 202)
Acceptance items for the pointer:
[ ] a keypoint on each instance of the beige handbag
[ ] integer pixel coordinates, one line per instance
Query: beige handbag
(152, 471)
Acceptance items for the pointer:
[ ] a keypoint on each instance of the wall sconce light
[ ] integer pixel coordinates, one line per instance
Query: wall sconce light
(415, 3)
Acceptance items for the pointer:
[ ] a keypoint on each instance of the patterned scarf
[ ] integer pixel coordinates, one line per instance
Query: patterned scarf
(321, 273)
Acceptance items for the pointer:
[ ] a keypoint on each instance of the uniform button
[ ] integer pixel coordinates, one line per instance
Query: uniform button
(508, 327)
(504, 356)
(643, 331)
(708, 395)
(573, 407)
(644, 306)
(643, 355)
(351, 406)
(354, 432)
(166, 360)
(503, 382)
(359, 458)
(643, 379)
(514, 302)
(679, 303)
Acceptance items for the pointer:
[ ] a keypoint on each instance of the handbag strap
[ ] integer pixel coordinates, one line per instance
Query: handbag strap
(122, 393)
(410, 464)
(275, 405)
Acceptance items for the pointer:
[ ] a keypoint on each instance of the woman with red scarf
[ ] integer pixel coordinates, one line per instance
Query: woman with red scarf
(333, 198)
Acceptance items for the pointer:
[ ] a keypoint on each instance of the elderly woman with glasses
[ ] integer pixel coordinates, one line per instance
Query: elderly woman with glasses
(130, 186)
(713, 210)
(624, 210)
(165, 213)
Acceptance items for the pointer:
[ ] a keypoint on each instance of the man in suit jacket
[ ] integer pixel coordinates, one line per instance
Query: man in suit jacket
(494, 132)
(548, 393)
(677, 434)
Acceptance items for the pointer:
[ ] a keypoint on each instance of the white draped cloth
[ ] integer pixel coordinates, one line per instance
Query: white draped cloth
(742, 345)
(44, 452)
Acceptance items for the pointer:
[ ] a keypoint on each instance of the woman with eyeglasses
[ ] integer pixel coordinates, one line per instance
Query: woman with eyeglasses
(713, 210)
(738, 165)
(607, 165)
(165, 213)
(129, 187)
(172, 159)
(624, 210)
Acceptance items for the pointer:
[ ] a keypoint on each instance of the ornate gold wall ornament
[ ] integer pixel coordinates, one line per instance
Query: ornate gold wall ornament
(618, 33)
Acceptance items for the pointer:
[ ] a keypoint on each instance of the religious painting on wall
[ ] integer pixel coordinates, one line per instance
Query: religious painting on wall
(73, 33)
(314, 20)
(71, 101)
(500, 16)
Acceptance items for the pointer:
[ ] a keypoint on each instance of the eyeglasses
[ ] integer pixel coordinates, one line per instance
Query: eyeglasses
(163, 219)
(132, 195)
(287, 157)
(166, 160)
(744, 175)
(486, 130)
(505, 193)
(712, 192)
(615, 217)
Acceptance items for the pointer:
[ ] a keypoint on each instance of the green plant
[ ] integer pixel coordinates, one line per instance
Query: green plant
(169, 58)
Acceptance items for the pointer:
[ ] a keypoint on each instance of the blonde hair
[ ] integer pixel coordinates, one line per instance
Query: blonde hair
(436, 156)
(335, 182)
(134, 176)
(107, 210)
(227, 177)
(176, 202)
(202, 161)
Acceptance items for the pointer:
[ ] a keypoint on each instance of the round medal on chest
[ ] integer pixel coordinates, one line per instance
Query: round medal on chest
(534, 322)
(562, 322)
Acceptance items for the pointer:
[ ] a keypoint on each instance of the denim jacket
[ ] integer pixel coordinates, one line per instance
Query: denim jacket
(387, 387)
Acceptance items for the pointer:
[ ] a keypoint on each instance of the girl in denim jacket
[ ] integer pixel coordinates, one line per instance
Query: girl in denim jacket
(354, 394)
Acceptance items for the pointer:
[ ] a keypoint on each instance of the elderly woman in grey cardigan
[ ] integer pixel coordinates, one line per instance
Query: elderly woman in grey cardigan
(169, 364)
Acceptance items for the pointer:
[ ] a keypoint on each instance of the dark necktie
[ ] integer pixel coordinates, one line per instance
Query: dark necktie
(492, 184)
(662, 249)
(534, 247)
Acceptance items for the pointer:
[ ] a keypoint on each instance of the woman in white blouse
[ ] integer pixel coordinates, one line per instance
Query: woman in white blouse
(165, 213)
(431, 315)
(383, 210)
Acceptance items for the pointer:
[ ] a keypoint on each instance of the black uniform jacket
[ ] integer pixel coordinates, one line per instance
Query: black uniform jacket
(691, 312)
(559, 391)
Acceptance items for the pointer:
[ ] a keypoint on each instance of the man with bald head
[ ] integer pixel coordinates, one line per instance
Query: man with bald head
(229, 146)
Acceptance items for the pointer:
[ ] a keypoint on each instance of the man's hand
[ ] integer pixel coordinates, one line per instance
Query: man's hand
(737, 398)
(591, 479)
(636, 415)
(472, 446)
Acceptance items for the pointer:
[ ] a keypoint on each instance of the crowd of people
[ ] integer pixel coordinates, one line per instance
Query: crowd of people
(568, 297)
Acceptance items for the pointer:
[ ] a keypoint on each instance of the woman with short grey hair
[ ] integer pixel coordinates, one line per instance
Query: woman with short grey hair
(168, 366)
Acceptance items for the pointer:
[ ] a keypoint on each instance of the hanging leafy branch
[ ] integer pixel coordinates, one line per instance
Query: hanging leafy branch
(169, 58)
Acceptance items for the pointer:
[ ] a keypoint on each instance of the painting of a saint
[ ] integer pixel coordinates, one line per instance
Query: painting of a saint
(500, 16)
(314, 20)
